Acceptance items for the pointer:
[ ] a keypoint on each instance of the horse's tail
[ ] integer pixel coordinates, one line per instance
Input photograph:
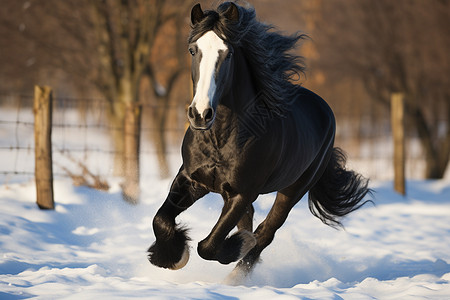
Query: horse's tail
(338, 192)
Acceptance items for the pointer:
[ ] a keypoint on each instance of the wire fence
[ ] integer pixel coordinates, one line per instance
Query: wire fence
(82, 134)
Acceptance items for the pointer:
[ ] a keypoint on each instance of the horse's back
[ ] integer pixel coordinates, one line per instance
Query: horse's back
(314, 112)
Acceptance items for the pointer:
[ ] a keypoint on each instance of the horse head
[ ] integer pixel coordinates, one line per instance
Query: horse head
(212, 65)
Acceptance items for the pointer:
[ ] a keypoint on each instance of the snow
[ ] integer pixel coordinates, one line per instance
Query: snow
(93, 245)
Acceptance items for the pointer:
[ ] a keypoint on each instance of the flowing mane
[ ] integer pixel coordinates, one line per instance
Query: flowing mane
(273, 67)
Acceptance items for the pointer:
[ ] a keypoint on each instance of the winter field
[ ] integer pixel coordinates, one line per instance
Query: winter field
(93, 246)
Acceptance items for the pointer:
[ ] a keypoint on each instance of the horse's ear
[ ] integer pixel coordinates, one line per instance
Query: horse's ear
(232, 12)
(196, 14)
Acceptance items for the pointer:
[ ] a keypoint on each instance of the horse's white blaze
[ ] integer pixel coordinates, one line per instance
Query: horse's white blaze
(209, 45)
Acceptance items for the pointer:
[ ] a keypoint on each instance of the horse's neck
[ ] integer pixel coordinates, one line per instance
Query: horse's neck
(234, 103)
(242, 91)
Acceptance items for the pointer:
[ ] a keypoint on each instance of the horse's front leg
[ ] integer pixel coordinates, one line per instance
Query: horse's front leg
(170, 250)
(226, 250)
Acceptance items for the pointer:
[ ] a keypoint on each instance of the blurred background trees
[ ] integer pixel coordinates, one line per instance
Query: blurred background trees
(134, 51)
(395, 46)
(101, 48)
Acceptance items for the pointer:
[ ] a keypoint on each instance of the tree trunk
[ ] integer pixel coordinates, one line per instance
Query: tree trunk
(116, 119)
(160, 137)
(132, 130)
(126, 95)
(436, 151)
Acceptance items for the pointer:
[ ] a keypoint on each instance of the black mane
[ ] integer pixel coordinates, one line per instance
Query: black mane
(266, 50)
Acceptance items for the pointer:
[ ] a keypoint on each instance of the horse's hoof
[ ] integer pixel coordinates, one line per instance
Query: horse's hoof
(162, 258)
(236, 246)
(183, 261)
(170, 253)
(232, 249)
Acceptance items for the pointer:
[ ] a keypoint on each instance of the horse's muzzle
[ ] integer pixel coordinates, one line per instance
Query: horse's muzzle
(201, 121)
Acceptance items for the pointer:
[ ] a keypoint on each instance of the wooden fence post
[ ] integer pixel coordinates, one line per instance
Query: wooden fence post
(132, 129)
(398, 134)
(43, 173)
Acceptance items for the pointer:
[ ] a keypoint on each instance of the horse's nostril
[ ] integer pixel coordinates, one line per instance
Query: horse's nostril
(191, 112)
(209, 113)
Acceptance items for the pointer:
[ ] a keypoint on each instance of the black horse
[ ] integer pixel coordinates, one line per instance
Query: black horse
(252, 131)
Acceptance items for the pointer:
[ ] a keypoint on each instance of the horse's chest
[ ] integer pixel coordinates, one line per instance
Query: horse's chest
(214, 170)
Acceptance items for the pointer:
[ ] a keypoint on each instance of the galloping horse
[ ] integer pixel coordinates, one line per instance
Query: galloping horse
(252, 131)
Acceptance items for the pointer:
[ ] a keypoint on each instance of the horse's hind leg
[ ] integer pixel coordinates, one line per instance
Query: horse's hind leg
(266, 230)
(246, 222)
(264, 235)
(284, 201)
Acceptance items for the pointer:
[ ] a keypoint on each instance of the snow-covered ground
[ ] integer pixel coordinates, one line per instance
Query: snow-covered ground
(93, 246)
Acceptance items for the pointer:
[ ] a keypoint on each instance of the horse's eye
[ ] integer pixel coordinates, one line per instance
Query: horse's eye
(192, 51)
(229, 54)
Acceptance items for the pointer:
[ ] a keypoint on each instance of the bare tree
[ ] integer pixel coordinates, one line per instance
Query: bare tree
(395, 46)
(164, 71)
(41, 40)
(126, 32)
(100, 46)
